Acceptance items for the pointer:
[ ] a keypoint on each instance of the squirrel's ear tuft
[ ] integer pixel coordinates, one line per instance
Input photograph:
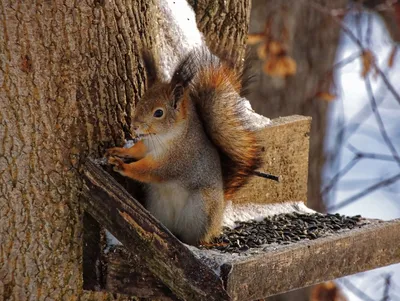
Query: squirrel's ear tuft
(177, 95)
(186, 70)
(150, 66)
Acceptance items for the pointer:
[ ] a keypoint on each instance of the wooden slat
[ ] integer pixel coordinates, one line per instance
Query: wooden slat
(141, 234)
(171, 267)
(154, 264)
(132, 278)
(288, 267)
(311, 262)
(92, 278)
(286, 145)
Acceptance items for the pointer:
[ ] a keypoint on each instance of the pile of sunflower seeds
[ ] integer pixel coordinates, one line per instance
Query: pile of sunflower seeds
(281, 229)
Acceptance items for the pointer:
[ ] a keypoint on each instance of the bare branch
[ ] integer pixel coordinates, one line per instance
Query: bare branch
(379, 120)
(370, 189)
(373, 156)
(340, 174)
(387, 287)
(355, 290)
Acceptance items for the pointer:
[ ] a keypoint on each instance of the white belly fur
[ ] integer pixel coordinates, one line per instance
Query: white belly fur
(175, 207)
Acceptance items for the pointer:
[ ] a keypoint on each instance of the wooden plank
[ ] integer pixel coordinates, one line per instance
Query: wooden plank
(141, 234)
(92, 269)
(288, 267)
(132, 278)
(311, 262)
(286, 145)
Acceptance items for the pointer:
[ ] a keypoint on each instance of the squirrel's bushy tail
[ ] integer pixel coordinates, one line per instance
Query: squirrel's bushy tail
(215, 88)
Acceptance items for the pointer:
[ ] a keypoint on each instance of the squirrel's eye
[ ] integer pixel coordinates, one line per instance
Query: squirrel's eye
(158, 113)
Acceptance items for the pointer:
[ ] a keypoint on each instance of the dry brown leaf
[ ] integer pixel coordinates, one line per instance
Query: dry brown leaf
(280, 66)
(262, 52)
(392, 56)
(327, 291)
(326, 96)
(368, 60)
(276, 48)
(255, 38)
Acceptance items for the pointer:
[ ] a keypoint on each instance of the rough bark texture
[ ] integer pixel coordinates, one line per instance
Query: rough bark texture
(69, 79)
(133, 278)
(224, 25)
(67, 88)
(311, 39)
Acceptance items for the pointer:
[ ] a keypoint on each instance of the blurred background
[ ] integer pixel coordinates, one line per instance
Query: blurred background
(338, 62)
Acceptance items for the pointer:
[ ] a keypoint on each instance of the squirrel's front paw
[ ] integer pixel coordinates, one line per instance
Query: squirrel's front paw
(114, 151)
(117, 163)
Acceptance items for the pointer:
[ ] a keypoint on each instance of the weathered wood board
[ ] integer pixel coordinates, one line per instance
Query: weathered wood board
(126, 272)
(163, 254)
(310, 262)
(288, 267)
(286, 145)
(173, 269)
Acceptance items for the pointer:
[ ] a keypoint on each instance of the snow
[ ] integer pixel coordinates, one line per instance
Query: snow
(245, 212)
(178, 36)
(178, 33)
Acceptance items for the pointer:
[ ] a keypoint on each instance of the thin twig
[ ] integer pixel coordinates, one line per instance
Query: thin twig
(266, 176)
(373, 156)
(369, 30)
(356, 40)
(352, 126)
(387, 287)
(340, 174)
(379, 120)
(355, 290)
(370, 189)
(346, 61)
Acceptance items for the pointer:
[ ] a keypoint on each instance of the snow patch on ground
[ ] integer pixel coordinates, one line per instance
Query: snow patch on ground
(244, 212)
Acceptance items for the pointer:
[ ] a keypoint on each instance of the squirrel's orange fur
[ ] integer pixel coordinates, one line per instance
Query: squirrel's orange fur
(217, 99)
(197, 147)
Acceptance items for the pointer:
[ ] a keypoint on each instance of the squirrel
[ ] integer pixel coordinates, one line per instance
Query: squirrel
(194, 148)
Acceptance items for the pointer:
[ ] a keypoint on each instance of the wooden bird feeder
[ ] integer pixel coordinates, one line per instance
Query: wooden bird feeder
(152, 263)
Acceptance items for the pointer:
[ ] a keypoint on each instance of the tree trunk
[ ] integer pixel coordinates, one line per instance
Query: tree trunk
(68, 84)
(225, 26)
(70, 75)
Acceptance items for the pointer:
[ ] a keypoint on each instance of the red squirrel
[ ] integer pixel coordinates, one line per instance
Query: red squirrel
(196, 148)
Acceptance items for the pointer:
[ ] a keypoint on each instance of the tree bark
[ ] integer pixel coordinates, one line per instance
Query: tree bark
(70, 75)
(224, 25)
(68, 84)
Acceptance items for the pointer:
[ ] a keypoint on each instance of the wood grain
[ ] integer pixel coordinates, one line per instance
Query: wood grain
(311, 262)
(141, 234)
(170, 269)
(286, 145)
